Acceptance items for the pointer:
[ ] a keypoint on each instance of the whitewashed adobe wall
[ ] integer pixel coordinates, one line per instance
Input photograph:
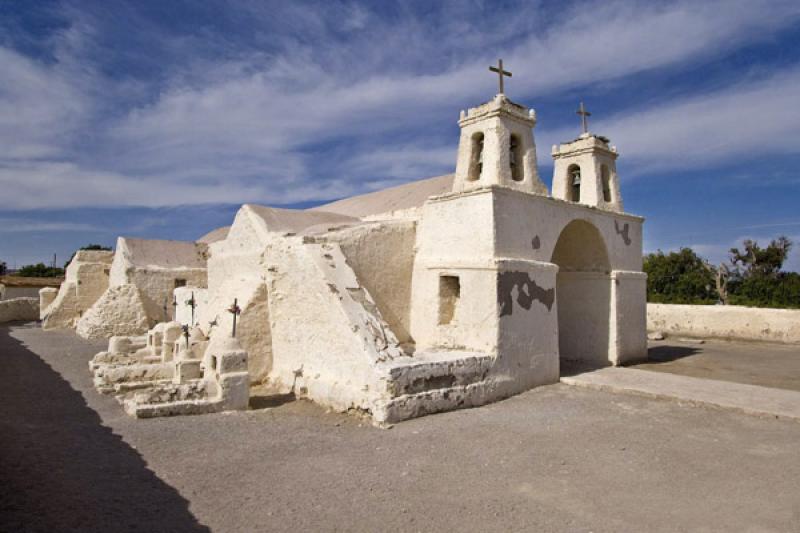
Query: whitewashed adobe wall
(156, 268)
(19, 309)
(726, 322)
(87, 278)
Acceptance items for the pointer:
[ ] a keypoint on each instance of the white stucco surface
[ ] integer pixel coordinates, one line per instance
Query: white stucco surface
(393, 199)
(120, 311)
(445, 293)
(19, 309)
(181, 302)
(46, 297)
(87, 278)
(726, 322)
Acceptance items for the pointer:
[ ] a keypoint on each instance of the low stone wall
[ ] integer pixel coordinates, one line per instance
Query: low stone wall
(726, 322)
(19, 309)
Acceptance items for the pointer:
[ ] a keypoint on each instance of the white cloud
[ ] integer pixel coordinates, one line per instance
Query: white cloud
(25, 225)
(750, 119)
(246, 129)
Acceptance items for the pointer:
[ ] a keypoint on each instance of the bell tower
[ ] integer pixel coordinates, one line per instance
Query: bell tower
(585, 170)
(496, 146)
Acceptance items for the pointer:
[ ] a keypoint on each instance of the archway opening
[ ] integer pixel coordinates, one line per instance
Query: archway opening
(515, 158)
(476, 157)
(583, 296)
(606, 179)
(574, 183)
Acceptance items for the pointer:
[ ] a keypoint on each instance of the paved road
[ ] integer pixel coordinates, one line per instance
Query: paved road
(553, 459)
(766, 365)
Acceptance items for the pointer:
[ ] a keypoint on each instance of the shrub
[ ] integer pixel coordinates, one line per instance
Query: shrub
(679, 278)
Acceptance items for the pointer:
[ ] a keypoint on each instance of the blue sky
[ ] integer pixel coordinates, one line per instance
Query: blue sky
(157, 119)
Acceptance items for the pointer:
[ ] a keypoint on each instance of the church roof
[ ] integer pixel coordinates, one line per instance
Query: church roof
(215, 235)
(296, 221)
(405, 196)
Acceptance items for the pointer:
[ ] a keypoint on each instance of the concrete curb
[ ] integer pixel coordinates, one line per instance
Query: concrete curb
(748, 399)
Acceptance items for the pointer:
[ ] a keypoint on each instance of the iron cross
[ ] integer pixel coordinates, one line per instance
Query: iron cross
(584, 122)
(500, 73)
(235, 311)
(192, 303)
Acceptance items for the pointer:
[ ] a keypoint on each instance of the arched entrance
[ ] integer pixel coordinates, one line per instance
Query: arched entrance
(583, 295)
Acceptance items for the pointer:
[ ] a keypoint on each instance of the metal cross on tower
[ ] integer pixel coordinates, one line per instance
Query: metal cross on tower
(584, 122)
(500, 73)
(235, 310)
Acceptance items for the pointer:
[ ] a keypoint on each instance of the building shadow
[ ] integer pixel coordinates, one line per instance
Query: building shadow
(62, 470)
(274, 400)
(668, 353)
(570, 367)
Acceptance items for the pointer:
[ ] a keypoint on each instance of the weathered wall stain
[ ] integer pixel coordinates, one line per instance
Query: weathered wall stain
(527, 292)
(536, 243)
(623, 232)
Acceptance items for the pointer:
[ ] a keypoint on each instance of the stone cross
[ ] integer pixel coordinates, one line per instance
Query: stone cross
(500, 73)
(235, 311)
(186, 335)
(584, 122)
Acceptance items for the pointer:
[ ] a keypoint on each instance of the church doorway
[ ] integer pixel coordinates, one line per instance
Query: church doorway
(583, 296)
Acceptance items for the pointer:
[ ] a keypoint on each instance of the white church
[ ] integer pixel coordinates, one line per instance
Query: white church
(444, 293)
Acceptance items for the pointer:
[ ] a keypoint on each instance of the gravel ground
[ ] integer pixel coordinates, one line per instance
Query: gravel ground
(766, 365)
(553, 459)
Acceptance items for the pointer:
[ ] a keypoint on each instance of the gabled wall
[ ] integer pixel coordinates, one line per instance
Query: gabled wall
(154, 267)
(381, 255)
(87, 278)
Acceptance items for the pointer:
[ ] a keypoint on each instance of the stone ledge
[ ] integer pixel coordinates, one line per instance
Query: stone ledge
(749, 399)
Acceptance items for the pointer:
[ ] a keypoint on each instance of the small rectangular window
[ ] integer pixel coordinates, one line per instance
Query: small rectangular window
(449, 294)
(180, 283)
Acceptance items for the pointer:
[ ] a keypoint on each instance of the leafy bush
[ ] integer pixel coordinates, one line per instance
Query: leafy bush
(40, 270)
(781, 291)
(753, 277)
(679, 278)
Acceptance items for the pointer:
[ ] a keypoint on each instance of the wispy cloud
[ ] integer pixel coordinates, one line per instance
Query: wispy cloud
(22, 225)
(324, 111)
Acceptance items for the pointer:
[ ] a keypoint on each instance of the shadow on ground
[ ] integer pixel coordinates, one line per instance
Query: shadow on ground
(62, 470)
(667, 353)
(569, 367)
(275, 400)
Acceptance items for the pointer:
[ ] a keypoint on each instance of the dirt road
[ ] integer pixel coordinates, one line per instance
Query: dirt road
(553, 459)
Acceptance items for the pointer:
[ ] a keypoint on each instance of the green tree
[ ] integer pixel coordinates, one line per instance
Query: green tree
(87, 247)
(756, 261)
(680, 277)
(3, 268)
(757, 280)
(40, 270)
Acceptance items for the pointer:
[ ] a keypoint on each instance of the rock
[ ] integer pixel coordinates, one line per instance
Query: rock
(655, 336)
